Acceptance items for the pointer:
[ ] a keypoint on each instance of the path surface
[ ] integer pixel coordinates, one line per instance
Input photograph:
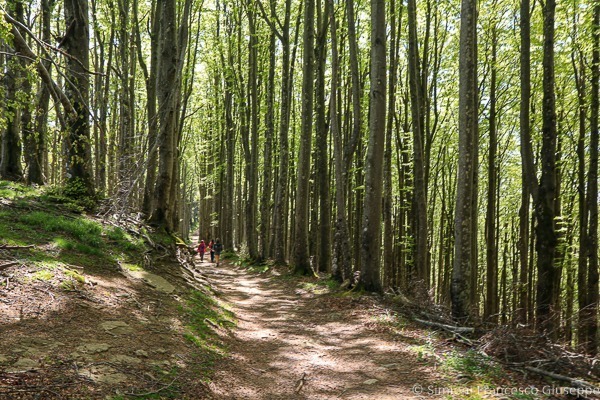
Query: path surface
(285, 333)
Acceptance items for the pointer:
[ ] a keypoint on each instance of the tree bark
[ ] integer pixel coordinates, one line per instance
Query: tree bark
(167, 79)
(321, 159)
(491, 308)
(370, 243)
(420, 252)
(592, 194)
(76, 44)
(466, 185)
(545, 205)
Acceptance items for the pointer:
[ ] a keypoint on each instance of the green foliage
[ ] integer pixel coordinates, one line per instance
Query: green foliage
(73, 239)
(204, 314)
(14, 190)
(75, 275)
(74, 196)
(85, 231)
(321, 286)
(43, 275)
(474, 365)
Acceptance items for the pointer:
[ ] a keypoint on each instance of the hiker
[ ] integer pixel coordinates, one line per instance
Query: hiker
(201, 249)
(218, 248)
(211, 246)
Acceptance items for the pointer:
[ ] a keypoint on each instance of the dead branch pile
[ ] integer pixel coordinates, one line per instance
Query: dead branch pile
(521, 347)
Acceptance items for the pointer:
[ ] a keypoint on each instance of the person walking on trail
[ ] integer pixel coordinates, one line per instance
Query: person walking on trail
(201, 249)
(211, 246)
(218, 248)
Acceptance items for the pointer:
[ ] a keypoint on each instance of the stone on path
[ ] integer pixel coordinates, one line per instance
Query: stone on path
(116, 327)
(121, 358)
(93, 348)
(370, 382)
(25, 364)
(157, 282)
(141, 353)
(103, 374)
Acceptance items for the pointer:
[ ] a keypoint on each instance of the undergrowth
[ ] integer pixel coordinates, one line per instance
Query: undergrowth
(30, 217)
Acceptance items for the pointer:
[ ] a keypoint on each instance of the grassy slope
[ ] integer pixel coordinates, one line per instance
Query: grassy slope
(64, 252)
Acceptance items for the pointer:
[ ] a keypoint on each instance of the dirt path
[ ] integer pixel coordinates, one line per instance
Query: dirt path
(285, 333)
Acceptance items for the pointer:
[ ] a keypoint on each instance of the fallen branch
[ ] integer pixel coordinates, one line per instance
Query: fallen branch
(7, 247)
(578, 383)
(10, 264)
(450, 328)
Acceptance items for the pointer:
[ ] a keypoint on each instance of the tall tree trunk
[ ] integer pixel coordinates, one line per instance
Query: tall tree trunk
(420, 253)
(76, 45)
(301, 261)
(27, 129)
(370, 234)
(321, 161)
(10, 142)
(545, 205)
(592, 194)
(527, 173)
(491, 308)
(265, 201)
(167, 79)
(152, 116)
(580, 79)
(252, 145)
(466, 185)
(126, 106)
(342, 265)
(37, 140)
(281, 192)
(388, 234)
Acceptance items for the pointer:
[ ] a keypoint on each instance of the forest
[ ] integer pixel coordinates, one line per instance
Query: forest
(444, 150)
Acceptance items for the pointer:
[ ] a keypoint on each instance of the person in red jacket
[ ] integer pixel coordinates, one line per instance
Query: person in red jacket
(201, 249)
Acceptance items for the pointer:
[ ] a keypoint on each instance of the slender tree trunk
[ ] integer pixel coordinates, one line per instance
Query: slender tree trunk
(301, 260)
(281, 193)
(466, 185)
(388, 235)
(491, 300)
(370, 241)
(252, 156)
(420, 253)
(545, 204)
(592, 194)
(321, 162)
(265, 202)
(342, 265)
(527, 173)
(152, 116)
(580, 80)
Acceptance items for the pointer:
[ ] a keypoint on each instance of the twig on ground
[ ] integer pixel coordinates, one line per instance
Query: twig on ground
(300, 383)
(154, 392)
(450, 328)
(9, 247)
(10, 264)
(572, 381)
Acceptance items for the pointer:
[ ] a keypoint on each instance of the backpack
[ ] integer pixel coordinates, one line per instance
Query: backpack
(218, 247)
